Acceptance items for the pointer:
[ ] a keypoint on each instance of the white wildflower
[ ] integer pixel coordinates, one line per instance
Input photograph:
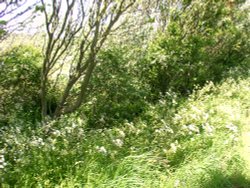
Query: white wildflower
(184, 127)
(121, 133)
(165, 150)
(40, 141)
(177, 117)
(102, 120)
(173, 147)
(232, 127)
(195, 109)
(209, 129)
(1, 159)
(2, 162)
(177, 183)
(56, 133)
(193, 128)
(78, 162)
(157, 131)
(162, 101)
(226, 142)
(174, 101)
(132, 149)
(101, 150)
(236, 139)
(94, 99)
(169, 130)
(118, 142)
(193, 116)
(68, 129)
(74, 125)
(206, 116)
(143, 125)
(80, 132)
(37, 142)
(138, 131)
(2, 63)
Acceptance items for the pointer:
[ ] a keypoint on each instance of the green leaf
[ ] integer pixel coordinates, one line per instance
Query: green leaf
(3, 22)
(40, 8)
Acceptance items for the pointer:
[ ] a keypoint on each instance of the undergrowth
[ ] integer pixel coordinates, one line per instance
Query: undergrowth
(192, 144)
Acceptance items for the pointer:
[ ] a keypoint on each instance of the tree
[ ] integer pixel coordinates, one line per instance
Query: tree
(202, 40)
(10, 12)
(76, 31)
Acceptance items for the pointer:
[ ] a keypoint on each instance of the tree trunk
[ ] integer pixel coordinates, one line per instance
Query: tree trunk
(43, 98)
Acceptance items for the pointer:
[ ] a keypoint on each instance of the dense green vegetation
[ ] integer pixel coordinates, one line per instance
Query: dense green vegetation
(164, 107)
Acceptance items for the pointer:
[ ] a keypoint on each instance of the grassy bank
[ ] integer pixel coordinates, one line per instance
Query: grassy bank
(197, 143)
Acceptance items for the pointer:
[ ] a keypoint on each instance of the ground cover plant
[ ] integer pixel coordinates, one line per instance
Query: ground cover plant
(197, 146)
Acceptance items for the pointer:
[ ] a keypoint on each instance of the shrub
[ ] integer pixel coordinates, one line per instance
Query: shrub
(115, 91)
(200, 43)
(20, 82)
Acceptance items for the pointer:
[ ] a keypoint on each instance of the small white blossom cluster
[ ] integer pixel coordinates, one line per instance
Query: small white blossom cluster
(191, 128)
(177, 183)
(232, 127)
(2, 64)
(37, 142)
(2, 162)
(209, 129)
(118, 142)
(132, 128)
(102, 150)
(174, 146)
(231, 139)
(56, 133)
(68, 130)
(165, 129)
(121, 133)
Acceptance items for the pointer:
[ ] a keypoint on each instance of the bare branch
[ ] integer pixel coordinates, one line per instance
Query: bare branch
(83, 29)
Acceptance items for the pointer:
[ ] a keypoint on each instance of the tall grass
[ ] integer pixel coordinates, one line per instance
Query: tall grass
(194, 144)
